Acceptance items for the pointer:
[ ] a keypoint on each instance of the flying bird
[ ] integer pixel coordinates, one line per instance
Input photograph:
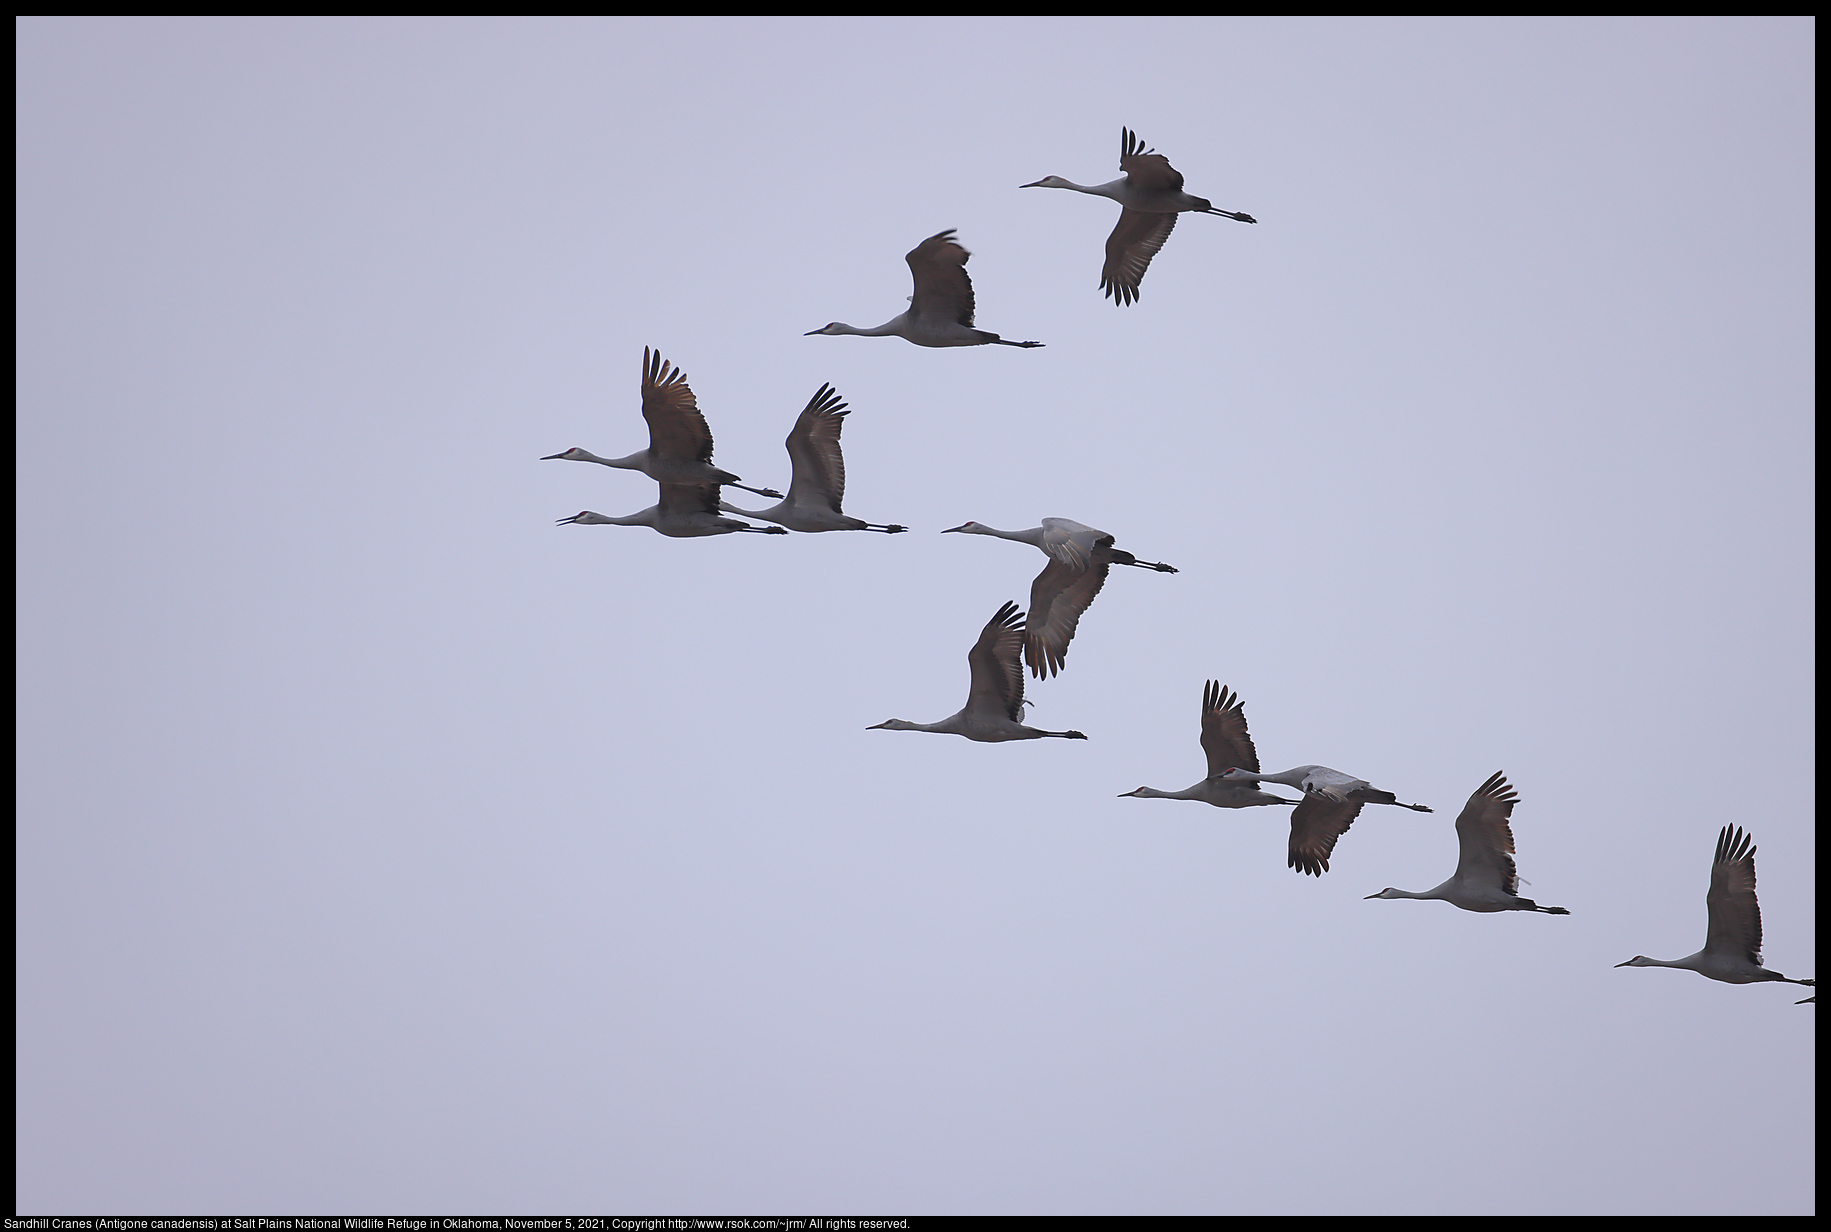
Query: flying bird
(941, 310)
(1486, 879)
(1227, 743)
(679, 442)
(1732, 944)
(994, 709)
(1316, 822)
(1151, 194)
(819, 483)
(1331, 802)
(1079, 557)
(686, 511)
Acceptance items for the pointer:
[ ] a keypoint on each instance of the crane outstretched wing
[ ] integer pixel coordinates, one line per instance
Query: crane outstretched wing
(677, 432)
(1224, 736)
(1129, 249)
(1316, 823)
(1145, 169)
(998, 676)
(813, 449)
(1058, 596)
(1735, 914)
(942, 289)
(1486, 838)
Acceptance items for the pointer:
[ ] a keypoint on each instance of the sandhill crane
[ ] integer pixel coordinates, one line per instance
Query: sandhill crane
(1079, 557)
(994, 708)
(1152, 196)
(1325, 783)
(1486, 879)
(1315, 823)
(1331, 802)
(1732, 943)
(679, 442)
(941, 310)
(819, 483)
(686, 511)
(1227, 743)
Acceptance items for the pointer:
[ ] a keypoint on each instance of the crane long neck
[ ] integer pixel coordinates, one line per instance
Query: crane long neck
(646, 517)
(1196, 792)
(946, 726)
(889, 329)
(1112, 188)
(1033, 536)
(633, 462)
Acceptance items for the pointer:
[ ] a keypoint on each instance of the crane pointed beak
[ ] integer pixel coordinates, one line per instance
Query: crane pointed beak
(1038, 184)
(552, 456)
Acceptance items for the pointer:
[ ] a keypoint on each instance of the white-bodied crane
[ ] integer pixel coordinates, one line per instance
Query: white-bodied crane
(686, 511)
(1732, 943)
(1079, 557)
(679, 442)
(994, 709)
(819, 484)
(940, 312)
(1486, 879)
(1151, 194)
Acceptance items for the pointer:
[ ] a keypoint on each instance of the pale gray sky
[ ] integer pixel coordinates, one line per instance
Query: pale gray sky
(385, 848)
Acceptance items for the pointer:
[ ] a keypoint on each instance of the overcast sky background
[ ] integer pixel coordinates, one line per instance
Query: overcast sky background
(385, 848)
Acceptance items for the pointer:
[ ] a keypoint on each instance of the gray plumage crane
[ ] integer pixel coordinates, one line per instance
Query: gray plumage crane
(679, 441)
(685, 511)
(1316, 822)
(1227, 743)
(1732, 943)
(940, 313)
(1079, 557)
(1331, 802)
(1486, 879)
(1151, 196)
(819, 484)
(994, 709)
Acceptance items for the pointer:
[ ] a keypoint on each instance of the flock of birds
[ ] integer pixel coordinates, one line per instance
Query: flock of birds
(940, 314)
